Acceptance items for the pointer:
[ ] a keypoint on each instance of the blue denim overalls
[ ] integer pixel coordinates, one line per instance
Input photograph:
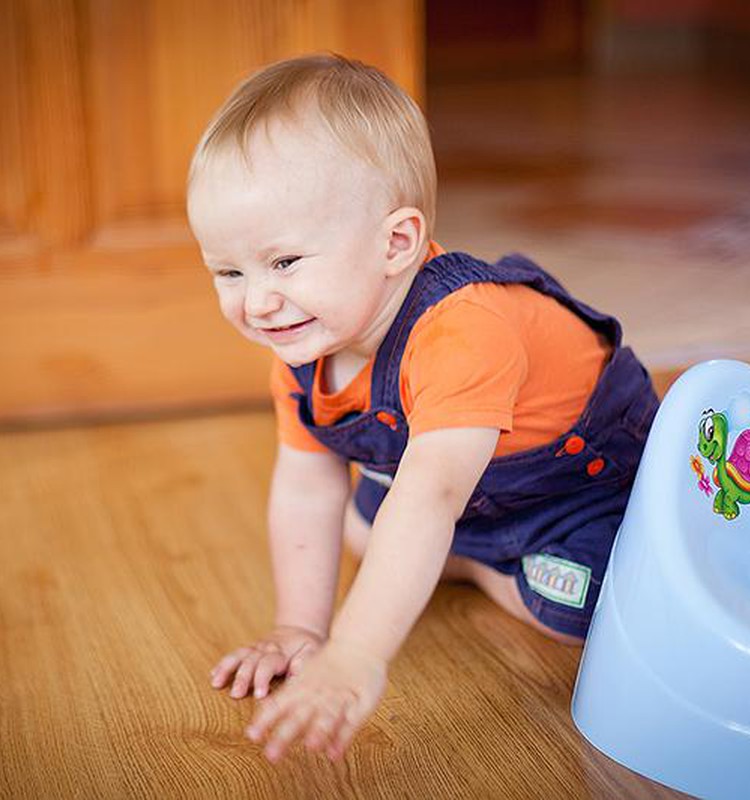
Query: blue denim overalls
(546, 515)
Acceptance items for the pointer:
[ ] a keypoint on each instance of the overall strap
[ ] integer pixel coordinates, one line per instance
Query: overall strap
(449, 272)
(305, 376)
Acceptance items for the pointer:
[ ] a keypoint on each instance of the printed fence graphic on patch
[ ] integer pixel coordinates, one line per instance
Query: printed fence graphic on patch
(557, 579)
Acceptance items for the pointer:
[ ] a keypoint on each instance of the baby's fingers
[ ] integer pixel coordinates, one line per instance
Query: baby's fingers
(257, 670)
(270, 711)
(342, 737)
(243, 677)
(268, 667)
(323, 729)
(286, 730)
(224, 670)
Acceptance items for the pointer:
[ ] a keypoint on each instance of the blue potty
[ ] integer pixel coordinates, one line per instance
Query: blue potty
(664, 681)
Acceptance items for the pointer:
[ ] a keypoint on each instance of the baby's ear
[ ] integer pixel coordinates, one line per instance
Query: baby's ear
(406, 239)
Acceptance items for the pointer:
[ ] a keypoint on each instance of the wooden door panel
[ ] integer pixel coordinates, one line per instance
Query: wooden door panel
(104, 305)
(14, 167)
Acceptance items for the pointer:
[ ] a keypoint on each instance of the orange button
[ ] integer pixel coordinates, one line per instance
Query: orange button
(574, 445)
(595, 467)
(387, 419)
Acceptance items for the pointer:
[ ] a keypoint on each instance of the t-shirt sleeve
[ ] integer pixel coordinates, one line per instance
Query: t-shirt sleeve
(463, 366)
(289, 429)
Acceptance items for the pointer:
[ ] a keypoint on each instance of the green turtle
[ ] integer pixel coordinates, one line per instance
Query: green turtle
(731, 475)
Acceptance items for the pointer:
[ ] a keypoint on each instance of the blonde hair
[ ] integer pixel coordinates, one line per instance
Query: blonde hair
(363, 109)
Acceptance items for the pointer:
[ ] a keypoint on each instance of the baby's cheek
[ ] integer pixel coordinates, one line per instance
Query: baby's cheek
(232, 310)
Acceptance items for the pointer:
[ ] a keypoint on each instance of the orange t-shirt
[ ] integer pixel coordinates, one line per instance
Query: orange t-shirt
(487, 355)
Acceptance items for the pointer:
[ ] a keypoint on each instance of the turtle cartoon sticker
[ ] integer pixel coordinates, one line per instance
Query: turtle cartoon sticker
(721, 433)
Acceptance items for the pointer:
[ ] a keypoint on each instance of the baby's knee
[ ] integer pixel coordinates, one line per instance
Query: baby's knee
(356, 530)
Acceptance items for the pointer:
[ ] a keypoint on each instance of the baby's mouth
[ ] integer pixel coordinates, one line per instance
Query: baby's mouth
(286, 333)
(293, 327)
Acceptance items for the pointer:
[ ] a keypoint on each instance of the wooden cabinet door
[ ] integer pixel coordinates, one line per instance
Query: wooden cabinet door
(105, 308)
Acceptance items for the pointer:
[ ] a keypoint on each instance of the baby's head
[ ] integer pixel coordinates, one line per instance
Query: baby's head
(312, 196)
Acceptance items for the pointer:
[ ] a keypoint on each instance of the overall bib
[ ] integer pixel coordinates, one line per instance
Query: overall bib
(547, 515)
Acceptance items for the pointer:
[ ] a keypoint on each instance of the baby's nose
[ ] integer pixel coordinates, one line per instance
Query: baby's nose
(261, 300)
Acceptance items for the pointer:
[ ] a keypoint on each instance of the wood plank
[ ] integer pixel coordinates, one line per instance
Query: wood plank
(97, 341)
(14, 166)
(61, 208)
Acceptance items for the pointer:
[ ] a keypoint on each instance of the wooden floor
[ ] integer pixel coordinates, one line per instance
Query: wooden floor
(133, 555)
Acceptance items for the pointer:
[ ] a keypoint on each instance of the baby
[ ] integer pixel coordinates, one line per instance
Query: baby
(496, 422)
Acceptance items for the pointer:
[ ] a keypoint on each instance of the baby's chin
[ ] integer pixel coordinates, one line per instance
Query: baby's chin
(295, 360)
(299, 354)
(290, 358)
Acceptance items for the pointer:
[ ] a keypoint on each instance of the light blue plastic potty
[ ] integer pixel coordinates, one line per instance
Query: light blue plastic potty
(664, 681)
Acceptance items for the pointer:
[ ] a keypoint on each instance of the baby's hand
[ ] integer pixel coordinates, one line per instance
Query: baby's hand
(338, 689)
(282, 652)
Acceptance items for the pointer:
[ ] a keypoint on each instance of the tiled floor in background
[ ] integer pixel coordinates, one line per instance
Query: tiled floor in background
(633, 191)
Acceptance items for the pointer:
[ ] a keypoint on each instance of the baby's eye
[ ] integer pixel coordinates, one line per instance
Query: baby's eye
(228, 273)
(284, 263)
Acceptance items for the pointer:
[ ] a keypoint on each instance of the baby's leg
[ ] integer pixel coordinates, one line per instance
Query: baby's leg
(502, 589)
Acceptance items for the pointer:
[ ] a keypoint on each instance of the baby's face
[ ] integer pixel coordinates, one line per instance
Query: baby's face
(296, 243)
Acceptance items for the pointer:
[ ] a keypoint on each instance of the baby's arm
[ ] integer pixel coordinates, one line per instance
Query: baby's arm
(306, 509)
(411, 537)
(306, 514)
(342, 684)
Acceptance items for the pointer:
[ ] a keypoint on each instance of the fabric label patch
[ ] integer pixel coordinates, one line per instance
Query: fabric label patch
(557, 579)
